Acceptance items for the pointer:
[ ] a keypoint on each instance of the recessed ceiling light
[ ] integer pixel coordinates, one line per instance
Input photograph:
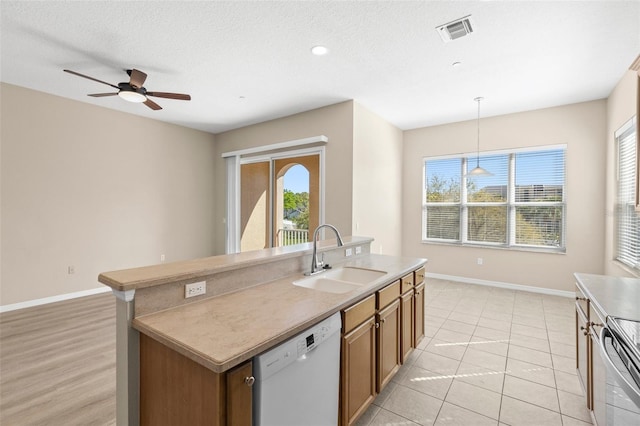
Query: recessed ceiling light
(319, 50)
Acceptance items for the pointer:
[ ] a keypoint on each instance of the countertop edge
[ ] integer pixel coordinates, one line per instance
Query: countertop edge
(193, 269)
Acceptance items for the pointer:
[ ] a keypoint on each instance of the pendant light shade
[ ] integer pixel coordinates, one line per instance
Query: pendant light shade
(479, 171)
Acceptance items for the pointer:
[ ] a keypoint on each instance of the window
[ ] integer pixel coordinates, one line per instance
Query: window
(628, 220)
(521, 205)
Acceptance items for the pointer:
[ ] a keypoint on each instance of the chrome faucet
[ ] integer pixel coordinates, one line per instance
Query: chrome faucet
(317, 265)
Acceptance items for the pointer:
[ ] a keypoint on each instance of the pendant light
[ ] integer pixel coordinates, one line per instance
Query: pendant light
(479, 171)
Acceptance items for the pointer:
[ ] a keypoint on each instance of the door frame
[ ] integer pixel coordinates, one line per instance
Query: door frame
(296, 148)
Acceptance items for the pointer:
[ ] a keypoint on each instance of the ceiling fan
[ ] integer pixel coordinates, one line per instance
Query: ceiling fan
(134, 91)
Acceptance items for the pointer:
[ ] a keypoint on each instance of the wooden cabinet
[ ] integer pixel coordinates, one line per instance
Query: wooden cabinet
(583, 344)
(358, 359)
(176, 390)
(358, 371)
(388, 343)
(418, 313)
(239, 398)
(378, 334)
(407, 325)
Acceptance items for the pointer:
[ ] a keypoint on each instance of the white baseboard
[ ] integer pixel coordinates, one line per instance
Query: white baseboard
(519, 287)
(52, 299)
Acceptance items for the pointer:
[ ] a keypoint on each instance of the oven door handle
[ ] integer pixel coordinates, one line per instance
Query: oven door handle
(631, 390)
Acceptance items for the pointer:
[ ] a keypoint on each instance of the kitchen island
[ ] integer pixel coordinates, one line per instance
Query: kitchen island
(250, 305)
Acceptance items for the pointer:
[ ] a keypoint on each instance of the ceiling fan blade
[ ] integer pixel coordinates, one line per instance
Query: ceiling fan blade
(91, 78)
(100, 95)
(137, 78)
(154, 106)
(179, 96)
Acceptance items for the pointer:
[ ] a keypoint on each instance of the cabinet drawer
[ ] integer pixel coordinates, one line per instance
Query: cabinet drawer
(388, 294)
(358, 313)
(582, 303)
(406, 283)
(419, 276)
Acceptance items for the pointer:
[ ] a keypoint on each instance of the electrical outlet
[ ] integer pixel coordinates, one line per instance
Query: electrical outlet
(358, 249)
(195, 289)
(162, 258)
(71, 269)
(348, 252)
(480, 261)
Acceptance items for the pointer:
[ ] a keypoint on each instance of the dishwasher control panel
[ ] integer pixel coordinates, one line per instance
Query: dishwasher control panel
(312, 339)
(297, 347)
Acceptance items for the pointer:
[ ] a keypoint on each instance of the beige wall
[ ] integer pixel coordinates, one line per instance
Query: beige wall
(621, 106)
(582, 127)
(377, 181)
(97, 189)
(335, 122)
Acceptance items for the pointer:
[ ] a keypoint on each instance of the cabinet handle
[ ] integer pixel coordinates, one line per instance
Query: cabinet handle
(249, 381)
(585, 330)
(383, 320)
(377, 325)
(593, 324)
(417, 293)
(581, 298)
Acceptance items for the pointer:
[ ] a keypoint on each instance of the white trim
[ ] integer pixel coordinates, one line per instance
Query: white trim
(625, 127)
(474, 154)
(234, 184)
(518, 287)
(52, 299)
(276, 146)
(232, 227)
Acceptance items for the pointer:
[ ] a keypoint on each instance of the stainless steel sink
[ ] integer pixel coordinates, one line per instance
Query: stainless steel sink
(341, 280)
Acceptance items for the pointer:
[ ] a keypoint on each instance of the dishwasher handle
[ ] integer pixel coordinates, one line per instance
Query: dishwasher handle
(632, 391)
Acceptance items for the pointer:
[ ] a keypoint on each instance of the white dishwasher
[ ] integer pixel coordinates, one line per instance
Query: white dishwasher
(297, 382)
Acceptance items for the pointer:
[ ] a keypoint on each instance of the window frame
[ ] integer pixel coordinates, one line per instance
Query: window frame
(629, 206)
(511, 204)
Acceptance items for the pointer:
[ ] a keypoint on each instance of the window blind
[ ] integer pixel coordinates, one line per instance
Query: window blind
(521, 204)
(628, 220)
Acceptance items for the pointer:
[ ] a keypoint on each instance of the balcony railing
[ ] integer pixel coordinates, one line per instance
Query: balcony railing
(288, 237)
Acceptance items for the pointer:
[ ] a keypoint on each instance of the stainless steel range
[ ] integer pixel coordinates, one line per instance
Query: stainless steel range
(619, 349)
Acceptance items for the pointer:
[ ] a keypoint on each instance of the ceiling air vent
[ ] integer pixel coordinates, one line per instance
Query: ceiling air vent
(456, 29)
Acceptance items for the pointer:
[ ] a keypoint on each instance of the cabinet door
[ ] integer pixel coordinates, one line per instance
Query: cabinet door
(240, 395)
(406, 336)
(599, 384)
(174, 390)
(358, 371)
(582, 354)
(388, 343)
(418, 314)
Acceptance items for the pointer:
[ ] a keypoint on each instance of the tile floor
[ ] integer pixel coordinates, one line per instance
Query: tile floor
(491, 356)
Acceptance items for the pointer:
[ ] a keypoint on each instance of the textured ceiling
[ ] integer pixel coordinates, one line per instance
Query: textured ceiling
(247, 62)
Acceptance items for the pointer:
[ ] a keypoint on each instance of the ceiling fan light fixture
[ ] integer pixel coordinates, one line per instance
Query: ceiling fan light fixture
(132, 96)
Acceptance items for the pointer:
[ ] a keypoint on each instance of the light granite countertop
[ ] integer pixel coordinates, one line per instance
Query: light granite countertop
(613, 296)
(224, 331)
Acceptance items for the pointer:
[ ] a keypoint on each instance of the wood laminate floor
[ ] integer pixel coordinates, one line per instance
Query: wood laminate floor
(58, 363)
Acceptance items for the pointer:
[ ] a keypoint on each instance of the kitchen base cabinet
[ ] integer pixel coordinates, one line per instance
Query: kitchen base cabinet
(176, 390)
(388, 345)
(406, 329)
(379, 333)
(418, 312)
(583, 353)
(358, 371)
